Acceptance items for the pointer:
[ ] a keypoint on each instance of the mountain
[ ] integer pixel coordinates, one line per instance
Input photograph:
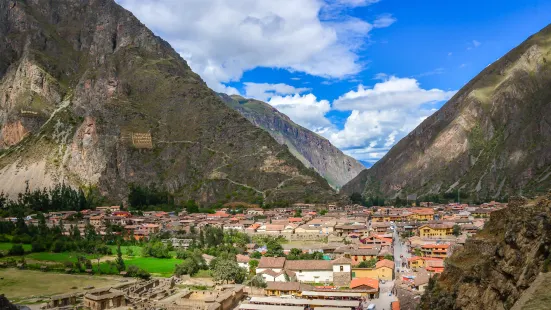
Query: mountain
(504, 266)
(491, 140)
(90, 97)
(311, 149)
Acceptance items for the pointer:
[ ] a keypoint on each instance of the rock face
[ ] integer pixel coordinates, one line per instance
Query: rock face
(90, 97)
(499, 264)
(311, 149)
(491, 140)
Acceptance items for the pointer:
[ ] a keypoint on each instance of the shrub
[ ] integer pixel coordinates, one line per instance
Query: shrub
(16, 249)
(136, 272)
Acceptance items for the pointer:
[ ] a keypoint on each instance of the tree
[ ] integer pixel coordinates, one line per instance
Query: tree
(368, 263)
(155, 249)
(274, 249)
(253, 263)
(258, 281)
(298, 213)
(188, 266)
(16, 249)
(356, 198)
(456, 230)
(389, 257)
(417, 252)
(229, 271)
(256, 255)
(129, 251)
(294, 254)
(136, 272)
(323, 212)
(119, 261)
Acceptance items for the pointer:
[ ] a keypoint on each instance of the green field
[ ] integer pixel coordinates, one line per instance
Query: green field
(136, 249)
(157, 266)
(6, 246)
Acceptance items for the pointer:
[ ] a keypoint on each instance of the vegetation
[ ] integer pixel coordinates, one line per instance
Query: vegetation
(368, 263)
(297, 254)
(226, 271)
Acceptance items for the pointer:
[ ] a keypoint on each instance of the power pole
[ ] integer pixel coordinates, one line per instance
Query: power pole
(458, 195)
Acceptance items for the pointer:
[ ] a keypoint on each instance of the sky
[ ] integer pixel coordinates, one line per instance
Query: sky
(362, 73)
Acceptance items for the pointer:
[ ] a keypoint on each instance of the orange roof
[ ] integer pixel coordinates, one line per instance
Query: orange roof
(414, 258)
(385, 263)
(295, 219)
(356, 282)
(395, 305)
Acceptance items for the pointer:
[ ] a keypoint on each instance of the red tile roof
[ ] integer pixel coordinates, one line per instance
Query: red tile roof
(357, 282)
(385, 263)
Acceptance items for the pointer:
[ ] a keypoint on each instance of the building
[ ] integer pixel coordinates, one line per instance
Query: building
(435, 230)
(274, 263)
(342, 271)
(64, 300)
(385, 269)
(435, 250)
(286, 288)
(314, 271)
(368, 286)
(104, 298)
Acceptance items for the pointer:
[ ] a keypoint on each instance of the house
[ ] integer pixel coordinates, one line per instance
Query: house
(315, 271)
(368, 286)
(282, 276)
(421, 281)
(435, 250)
(97, 221)
(481, 213)
(151, 228)
(421, 214)
(274, 263)
(359, 255)
(110, 209)
(255, 211)
(342, 271)
(435, 230)
(243, 261)
(385, 269)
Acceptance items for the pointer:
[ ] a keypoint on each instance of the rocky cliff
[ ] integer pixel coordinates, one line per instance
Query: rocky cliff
(495, 268)
(491, 140)
(90, 97)
(311, 149)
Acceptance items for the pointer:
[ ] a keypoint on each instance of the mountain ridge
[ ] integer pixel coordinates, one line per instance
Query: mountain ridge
(491, 140)
(90, 97)
(310, 148)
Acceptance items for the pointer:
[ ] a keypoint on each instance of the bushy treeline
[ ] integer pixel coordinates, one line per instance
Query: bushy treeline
(59, 198)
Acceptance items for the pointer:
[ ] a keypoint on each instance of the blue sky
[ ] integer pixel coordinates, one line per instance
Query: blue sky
(362, 73)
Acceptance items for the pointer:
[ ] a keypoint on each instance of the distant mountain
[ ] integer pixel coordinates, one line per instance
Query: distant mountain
(311, 149)
(491, 140)
(90, 97)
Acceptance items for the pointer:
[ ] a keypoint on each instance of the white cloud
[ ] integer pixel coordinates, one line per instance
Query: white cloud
(221, 39)
(264, 91)
(392, 93)
(382, 115)
(305, 110)
(450, 53)
(476, 43)
(384, 21)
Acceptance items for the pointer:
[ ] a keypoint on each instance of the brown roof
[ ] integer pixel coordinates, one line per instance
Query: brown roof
(308, 265)
(242, 258)
(385, 263)
(341, 260)
(369, 282)
(283, 286)
(271, 262)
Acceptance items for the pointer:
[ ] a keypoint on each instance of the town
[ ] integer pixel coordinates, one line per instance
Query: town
(240, 256)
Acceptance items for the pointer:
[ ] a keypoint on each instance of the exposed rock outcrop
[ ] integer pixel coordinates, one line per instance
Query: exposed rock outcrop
(499, 264)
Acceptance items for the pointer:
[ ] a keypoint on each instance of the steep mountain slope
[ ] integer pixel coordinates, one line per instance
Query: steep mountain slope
(89, 96)
(496, 268)
(311, 149)
(492, 139)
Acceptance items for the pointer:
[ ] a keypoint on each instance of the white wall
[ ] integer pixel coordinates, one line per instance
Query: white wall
(337, 268)
(316, 276)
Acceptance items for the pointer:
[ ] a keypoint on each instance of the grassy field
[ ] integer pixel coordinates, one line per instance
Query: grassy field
(157, 266)
(136, 249)
(20, 284)
(56, 257)
(6, 246)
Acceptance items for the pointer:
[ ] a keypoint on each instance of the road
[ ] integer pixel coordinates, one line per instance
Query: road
(400, 249)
